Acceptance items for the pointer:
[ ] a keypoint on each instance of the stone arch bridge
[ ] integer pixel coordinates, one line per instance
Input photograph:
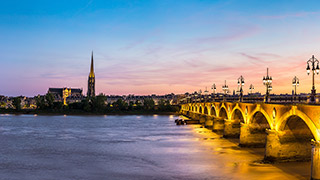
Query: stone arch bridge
(287, 131)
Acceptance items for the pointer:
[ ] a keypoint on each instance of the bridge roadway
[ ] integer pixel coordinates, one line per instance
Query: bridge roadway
(289, 132)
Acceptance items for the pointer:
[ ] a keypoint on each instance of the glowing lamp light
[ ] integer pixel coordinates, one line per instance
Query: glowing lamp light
(308, 69)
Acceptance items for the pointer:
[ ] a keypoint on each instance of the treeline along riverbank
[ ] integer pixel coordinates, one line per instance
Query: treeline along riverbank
(92, 106)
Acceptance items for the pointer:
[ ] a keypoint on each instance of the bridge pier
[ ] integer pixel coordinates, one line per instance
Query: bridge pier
(251, 137)
(202, 119)
(218, 125)
(231, 129)
(184, 112)
(315, 161)
(209, 122)
(284, 147)
(194, 116)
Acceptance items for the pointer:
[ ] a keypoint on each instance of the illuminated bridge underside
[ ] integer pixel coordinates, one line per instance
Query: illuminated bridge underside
(285, 131)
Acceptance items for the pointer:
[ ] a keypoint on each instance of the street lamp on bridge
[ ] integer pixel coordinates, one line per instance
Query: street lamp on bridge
(313, 61)
(251, 88)
(200, 95)
(213, 87)
(267, 81)
(241, 83)
(225, 89)
(295, 83)
(206, 92)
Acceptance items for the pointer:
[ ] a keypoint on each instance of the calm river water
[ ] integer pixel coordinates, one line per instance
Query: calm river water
(126, 147)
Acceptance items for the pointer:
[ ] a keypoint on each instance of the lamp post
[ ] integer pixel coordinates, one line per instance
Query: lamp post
(241, 83)
(251, 88)
(267, 81)
(315, 69)
(206, 94)
(200, 95)
(213, 87)
(225, 89)
(295, 83)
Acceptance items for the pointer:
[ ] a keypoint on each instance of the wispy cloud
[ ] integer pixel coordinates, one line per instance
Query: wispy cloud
(292, 15)
(234, 35)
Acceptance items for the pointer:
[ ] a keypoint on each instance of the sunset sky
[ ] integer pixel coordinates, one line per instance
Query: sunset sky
(161, 46)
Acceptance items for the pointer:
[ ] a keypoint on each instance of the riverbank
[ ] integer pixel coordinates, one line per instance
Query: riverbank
(81, 113)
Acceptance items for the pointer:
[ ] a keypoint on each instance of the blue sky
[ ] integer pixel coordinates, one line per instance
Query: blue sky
(145, 47)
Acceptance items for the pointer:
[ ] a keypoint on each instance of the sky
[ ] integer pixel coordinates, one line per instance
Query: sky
(156, 47)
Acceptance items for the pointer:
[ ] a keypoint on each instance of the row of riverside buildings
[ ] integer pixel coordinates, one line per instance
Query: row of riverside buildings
(72, 95)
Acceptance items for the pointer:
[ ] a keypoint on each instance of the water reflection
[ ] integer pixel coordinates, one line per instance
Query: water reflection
(245, 163)
(122, 147)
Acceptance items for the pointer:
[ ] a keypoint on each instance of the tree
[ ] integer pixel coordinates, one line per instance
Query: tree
(98, 103)
(57, 105)
(86, 106)
(130, 106)
(162, 105)
(17, 103)
(40, 102)
(49, 99)
(138, 105)
(148, 104)
(3, 104)
(120, 105)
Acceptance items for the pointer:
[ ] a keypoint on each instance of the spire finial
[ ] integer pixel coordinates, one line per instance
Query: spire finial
(91, 69)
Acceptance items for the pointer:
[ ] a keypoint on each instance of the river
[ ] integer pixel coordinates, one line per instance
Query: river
(127, 147)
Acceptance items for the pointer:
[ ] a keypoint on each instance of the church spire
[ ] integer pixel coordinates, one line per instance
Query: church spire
(91, 80)
(91, 69)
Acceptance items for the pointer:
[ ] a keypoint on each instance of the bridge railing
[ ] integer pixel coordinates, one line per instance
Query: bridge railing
(279, 99)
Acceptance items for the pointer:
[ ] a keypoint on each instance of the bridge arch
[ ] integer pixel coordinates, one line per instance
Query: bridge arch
(263, 114)
(238, 115)
(259, 121)
(213, 111)
(223, 113)
(200, 109)
(206, 111)
(293, 120)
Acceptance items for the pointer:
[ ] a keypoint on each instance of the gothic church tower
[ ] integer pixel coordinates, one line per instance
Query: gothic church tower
(91, 80)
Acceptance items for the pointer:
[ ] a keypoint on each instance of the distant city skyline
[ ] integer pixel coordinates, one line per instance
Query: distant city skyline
(156, 47)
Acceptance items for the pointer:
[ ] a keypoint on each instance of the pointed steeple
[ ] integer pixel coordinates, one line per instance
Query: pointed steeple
(91, 69)
(91, 80)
